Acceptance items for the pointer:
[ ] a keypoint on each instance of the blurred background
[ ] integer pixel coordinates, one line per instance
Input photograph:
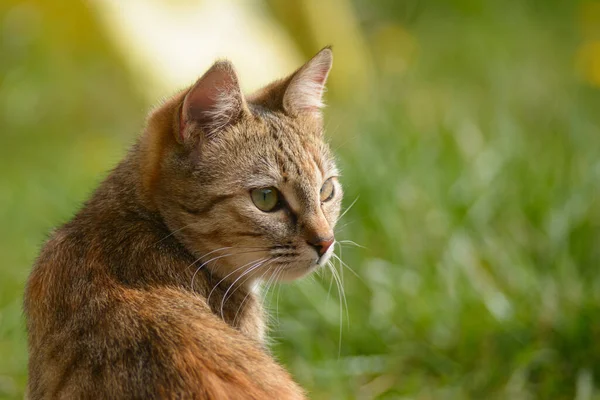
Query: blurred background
(468, 132)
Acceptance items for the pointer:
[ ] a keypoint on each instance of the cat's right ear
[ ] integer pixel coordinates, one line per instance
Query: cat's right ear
(212, 104)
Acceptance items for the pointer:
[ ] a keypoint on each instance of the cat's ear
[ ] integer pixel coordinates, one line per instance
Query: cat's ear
(304, 92)
(301, 92)
(213, 103)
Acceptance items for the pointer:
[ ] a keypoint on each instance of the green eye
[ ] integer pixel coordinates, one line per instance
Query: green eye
(327, 190)
(265, 199)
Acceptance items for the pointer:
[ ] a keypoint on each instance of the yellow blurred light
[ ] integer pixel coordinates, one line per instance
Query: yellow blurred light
(588, 62)
(170, 44)
(589, 19)
(394, 49)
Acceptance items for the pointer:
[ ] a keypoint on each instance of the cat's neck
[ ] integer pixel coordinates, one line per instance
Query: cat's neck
(137, 249)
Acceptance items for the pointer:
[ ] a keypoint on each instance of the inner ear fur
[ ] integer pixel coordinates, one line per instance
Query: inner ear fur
(212, 104)
(300, 92)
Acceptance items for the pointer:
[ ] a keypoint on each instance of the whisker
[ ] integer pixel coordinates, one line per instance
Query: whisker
(208, 254)
(206, 263)
(252, 268)
(269, 265)
(214, 259)
(251, 249)
(347, 209)
(203, 264)
(334, 273)
(342, 292)
(319, 272)
(329, 264)
(271, 283)
(175, 231)
(277, 297)
(350, 242)
(244, 274)
(231, 273)
(342, 263)
(339, 258)
(245, 298)
(267, 292)
(341, 228)
(272, 279)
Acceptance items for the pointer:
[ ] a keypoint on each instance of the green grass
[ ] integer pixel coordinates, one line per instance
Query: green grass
(478, 178)
(477, 173)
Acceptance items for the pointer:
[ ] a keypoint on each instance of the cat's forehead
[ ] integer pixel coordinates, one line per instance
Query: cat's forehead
(285, 150)
(296, 146)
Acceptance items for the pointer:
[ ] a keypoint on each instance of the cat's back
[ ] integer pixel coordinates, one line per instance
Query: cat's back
(91, 335)
(60, 263)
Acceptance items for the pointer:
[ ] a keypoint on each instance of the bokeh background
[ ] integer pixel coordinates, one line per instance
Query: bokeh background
(468, 132)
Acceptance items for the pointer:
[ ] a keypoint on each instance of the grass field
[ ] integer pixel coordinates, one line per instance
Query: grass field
(476, 174)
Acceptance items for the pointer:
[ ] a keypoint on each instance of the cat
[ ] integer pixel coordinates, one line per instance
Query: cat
(150, 290)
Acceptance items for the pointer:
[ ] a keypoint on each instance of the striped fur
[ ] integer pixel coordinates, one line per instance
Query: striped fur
(148, 291)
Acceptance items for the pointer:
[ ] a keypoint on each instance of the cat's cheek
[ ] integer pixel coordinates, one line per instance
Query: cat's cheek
(332, 212)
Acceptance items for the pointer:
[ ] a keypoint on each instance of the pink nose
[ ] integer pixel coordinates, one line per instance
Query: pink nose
(321, 245)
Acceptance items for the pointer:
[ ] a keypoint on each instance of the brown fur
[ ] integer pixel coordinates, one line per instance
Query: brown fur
(124, 300)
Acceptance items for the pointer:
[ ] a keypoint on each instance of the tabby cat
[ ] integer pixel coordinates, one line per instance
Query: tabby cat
(150, 290)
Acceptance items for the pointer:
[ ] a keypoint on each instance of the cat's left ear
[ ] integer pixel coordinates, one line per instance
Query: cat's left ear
(213, 103)
(304, 92)
(301, 92)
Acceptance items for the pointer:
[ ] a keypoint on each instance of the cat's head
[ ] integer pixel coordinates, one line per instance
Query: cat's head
(247, 184)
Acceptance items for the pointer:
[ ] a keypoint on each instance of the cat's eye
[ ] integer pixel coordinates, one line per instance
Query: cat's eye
(266, 199)
(327, 190)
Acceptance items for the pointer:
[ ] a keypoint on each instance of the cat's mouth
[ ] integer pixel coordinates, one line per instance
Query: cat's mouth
(322, 260)
(247, 266)
(297, 269)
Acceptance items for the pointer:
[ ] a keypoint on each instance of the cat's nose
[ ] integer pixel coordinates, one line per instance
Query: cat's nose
(321, 245)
